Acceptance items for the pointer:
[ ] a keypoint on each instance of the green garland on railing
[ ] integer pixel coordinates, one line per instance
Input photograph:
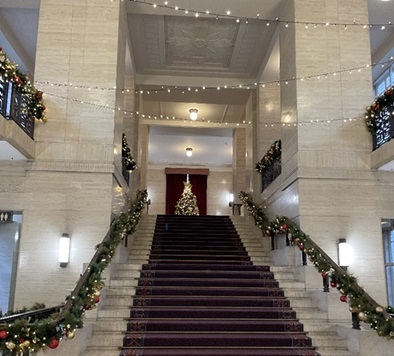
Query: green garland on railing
(22, 334)
(379, 318)
(257, 212)
(9, 70)
(372, 112)
(273, 154)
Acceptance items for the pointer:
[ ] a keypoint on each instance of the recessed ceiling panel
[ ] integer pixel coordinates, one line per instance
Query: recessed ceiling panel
(199, 43)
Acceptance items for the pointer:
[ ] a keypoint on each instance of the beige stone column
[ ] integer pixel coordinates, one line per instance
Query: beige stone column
(327, 183)
(68, 187)
(239, 162)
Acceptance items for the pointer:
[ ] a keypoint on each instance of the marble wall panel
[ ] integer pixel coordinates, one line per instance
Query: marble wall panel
(219, 186)
(156, 185)
(54, 203)
(363, 235)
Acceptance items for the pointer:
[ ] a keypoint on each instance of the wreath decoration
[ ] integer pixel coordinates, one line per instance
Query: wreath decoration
(272, 155)
(10, 72)
(374, 111)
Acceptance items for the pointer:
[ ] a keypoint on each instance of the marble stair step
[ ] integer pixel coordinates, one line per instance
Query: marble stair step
(290, 284)
(101, 351)
(310, 313)
(328, 339)
(107, 338)
(123, 283)
(114, 312)
(121, 291)
(110, 324)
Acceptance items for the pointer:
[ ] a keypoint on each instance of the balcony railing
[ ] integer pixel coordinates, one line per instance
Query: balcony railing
(271, 173)
(385, 129)
(14, 105)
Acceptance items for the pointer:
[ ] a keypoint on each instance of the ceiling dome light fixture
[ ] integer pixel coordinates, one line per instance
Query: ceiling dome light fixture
(189, 151)
(193, 114)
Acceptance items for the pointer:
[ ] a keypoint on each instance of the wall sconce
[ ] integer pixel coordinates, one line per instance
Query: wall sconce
(189, 151)
(64, 250)
(345, 254)
(231, 200)
(193, 114)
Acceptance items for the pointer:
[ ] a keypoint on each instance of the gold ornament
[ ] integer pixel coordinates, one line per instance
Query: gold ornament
(379, 309)
(362, 316)
(97, 293)
(354, 309)
(26, 343)
(70, 335)
(10, 345)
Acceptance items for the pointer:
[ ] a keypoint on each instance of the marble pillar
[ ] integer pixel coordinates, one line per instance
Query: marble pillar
(326, 184)
(68, 188)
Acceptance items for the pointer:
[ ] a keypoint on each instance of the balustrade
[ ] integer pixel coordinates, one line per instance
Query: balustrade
(271, 173)
(14, 105)
(385, 129)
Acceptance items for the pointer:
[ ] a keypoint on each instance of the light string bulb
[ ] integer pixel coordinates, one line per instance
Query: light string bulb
(185, 89)
(229, 15)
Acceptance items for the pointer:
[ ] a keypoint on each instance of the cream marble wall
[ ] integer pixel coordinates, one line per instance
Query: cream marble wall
(53, 203)
(69, 186)
(219, 186)
(326, 184)
(240, 176)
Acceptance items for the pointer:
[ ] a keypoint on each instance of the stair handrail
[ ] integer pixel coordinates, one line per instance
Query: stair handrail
(362, 305)
(22, 336)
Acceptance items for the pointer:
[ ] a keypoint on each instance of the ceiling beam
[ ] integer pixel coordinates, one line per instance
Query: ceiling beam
(222, 120)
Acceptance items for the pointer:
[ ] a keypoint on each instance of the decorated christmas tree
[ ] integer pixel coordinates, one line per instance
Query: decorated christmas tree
(187, 203)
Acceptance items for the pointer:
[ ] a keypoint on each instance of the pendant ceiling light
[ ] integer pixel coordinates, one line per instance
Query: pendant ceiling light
(193, 114)
(189, 151)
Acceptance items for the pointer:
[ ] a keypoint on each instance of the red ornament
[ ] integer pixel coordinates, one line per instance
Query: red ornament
(284, 227)
(302, 247)
(3, 334)
(333, 284)
(377, 107)
(96, 299)
(388, 92)
(324, 274)
(343, 298)
(54, 343)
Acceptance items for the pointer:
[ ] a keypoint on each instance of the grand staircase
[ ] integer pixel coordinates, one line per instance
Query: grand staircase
(194, 290)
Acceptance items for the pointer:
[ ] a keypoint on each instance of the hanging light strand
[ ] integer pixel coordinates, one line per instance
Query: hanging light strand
(184, 89)
(167, 118)
(229, 15)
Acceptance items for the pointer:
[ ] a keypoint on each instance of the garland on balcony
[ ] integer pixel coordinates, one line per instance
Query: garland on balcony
(379, 318)
(130, 164)
(270, 157)
(374, 111)
(43, 333)
(9, 70)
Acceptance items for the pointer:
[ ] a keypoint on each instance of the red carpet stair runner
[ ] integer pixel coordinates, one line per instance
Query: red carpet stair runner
(200, 294)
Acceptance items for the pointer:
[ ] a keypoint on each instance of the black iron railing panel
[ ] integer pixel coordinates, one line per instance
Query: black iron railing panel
(125, 171)
(385, 126)
(271, 173)
(14, 105)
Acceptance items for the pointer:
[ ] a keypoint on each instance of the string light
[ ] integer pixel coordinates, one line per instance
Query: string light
(181, 119)
(245, 86)
(228, 14)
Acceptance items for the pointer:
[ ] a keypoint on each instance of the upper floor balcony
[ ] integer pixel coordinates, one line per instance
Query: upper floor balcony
(16, 123)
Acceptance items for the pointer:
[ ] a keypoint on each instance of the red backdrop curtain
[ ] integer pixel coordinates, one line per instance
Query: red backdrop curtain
(174, 189)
